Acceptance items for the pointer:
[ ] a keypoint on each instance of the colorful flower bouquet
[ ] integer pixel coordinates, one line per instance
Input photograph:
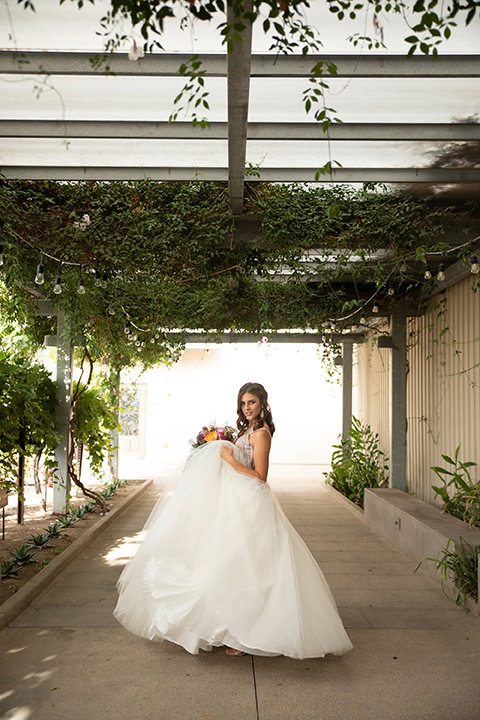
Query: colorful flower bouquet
(211, 432)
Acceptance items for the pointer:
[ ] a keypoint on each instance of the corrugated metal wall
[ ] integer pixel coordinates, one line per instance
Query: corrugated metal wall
(443, 386)
(372, 380)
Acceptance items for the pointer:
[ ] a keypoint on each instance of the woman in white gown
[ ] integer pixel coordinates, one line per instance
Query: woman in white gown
(220, 563)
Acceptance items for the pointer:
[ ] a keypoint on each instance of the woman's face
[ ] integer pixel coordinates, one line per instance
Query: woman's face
(250, 405)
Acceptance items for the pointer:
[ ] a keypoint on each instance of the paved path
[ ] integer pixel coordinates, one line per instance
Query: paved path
(416, 655)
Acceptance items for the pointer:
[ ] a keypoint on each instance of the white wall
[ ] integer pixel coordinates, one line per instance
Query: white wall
(202, 388)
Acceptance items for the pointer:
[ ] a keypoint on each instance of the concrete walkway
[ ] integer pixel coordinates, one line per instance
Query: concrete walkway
(416, 655)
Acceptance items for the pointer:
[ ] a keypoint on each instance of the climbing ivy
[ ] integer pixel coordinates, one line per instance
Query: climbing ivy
(170, 259)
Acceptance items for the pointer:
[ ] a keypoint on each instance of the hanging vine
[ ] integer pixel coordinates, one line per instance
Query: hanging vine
(134, 266)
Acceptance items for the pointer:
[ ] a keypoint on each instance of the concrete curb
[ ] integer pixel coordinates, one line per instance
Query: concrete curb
(16, 604)
(348, 503)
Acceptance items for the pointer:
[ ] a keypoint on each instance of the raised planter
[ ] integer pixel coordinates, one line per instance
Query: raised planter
(416, 528)
(353, 507)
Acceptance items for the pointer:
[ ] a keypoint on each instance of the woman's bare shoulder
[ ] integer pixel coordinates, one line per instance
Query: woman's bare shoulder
(267, 430)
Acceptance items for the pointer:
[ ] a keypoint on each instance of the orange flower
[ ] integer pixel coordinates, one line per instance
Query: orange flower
(211, 436)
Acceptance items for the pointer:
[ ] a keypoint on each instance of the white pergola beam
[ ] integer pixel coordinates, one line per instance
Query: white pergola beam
(148, 130)
(187, 174)
(275, 337)
(165, 65)
(238, 91)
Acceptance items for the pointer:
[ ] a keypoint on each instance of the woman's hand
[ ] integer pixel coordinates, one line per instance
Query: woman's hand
(227, 452)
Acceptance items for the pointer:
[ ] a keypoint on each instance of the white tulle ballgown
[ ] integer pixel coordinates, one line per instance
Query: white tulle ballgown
(221, 565)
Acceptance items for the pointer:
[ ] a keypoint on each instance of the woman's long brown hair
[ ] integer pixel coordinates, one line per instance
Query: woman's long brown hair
(265, 421)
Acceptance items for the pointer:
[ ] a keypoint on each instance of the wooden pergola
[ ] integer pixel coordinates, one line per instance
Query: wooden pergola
(239, 68)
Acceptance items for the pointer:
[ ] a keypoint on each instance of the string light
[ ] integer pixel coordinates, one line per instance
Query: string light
(81, 285)
(127, 327)
(103, 283)
(40, 276)
(474, 265)
(428, 273)
(98, 279)
(375, 307)
(391, 290)
(441, 273)
(57, 288)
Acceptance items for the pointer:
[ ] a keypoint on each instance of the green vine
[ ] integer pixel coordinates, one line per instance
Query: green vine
(158, 259)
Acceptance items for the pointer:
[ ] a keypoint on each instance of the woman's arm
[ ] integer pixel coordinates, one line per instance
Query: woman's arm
(260, 442)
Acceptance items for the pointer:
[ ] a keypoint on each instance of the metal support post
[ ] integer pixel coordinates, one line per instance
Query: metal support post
(398, 403)
(347, 356)
(61, 485)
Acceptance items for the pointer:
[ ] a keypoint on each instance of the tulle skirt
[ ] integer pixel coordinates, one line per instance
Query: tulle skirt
(221, 565)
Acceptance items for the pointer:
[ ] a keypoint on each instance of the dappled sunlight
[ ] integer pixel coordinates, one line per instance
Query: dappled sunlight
(15, 650)
(23, 681)
(124, 550)
(37, 678)
(18, 713)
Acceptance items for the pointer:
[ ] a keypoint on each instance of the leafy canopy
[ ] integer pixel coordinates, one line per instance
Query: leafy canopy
(173, 260)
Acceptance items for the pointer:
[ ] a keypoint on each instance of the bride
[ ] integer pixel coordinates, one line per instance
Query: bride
(220, 563)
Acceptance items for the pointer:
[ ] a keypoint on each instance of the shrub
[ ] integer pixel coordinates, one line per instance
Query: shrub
(357, 463)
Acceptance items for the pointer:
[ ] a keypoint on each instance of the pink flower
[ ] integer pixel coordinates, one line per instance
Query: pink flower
(135, 52)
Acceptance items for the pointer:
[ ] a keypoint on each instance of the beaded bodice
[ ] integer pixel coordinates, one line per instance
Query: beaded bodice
(243, 443)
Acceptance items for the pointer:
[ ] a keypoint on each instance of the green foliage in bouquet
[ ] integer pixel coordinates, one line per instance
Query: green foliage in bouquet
(357, 463)
(210, 433)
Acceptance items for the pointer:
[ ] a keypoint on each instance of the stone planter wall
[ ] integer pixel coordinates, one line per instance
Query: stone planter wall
(416, 528)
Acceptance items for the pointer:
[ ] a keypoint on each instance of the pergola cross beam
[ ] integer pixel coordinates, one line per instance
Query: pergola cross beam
(215, 65)
(269, 131)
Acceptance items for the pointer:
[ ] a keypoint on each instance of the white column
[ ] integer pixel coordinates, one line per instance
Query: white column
(61, 486)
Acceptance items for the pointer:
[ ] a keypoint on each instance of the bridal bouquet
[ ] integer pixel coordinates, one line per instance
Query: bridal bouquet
(211, 432)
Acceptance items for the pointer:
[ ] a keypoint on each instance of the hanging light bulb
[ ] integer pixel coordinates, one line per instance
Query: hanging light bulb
(474, 265)
(81, 286)
(375, 307)
(127, 327)
(98, 279)
(104, 280)
(40, 277)
(57, 288)
(391, 290)
(152, 339)
(441, 273)
(428, 273)
(137, 341)
(363, 320)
